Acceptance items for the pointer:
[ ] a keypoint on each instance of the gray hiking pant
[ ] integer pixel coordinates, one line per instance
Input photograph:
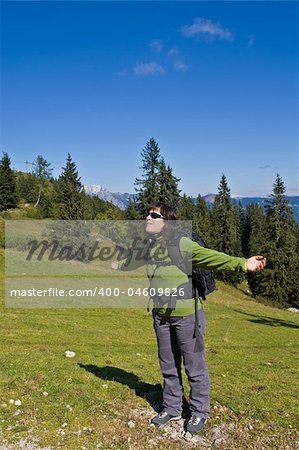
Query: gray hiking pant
(175, 338)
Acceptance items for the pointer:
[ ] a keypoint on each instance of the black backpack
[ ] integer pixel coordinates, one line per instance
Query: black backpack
(203, 281)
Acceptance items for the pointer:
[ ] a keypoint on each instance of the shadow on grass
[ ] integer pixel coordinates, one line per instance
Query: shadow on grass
(264, 320)
(151, 392)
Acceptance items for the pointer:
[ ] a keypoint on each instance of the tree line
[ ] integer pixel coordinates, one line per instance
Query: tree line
(226, 226)
(46, 197)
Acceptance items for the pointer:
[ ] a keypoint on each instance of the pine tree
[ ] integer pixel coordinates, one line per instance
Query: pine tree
(132, 211)
(239, 220)
(279, 280)
(224, 229)
(158, 184)
(254, 240)
(43, 172)
(69, 193)
(186, 208)
(147, 187)
(26, 187)
(254, 230)
(224, 224)
(168, 186)
(201, 221)
(8, 197)
(71, 207)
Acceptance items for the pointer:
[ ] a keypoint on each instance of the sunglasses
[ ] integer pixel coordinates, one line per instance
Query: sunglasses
(155, 215)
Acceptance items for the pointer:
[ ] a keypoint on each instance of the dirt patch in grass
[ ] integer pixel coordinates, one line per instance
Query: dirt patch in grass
(130, 429)
(225, 430)
(24, 444)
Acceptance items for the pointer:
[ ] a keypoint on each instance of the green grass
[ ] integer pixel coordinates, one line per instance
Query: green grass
(251, 353)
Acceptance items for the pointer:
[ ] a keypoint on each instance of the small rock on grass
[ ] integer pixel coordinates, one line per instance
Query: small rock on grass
(188, 436)
(218, 441)
(216, 432)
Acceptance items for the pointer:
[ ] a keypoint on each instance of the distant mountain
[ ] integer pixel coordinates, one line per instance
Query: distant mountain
(293, 202)
(209, 198)
(117, 198)
(122, 200)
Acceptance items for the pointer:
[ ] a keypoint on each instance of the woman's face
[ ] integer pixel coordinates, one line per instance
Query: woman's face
(154, 221)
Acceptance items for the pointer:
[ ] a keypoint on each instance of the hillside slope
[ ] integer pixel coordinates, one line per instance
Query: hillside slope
(104, 396)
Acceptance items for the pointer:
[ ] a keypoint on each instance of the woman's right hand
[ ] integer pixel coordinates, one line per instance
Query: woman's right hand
(255, 263)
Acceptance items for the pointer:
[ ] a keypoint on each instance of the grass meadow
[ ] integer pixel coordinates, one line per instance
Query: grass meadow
(105, 395)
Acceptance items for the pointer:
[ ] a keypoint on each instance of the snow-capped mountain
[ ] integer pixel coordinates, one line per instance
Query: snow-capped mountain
(122, 200)
(117, 198)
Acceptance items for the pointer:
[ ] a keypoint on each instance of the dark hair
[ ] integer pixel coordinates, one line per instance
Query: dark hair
(169, 215)
(167, 212)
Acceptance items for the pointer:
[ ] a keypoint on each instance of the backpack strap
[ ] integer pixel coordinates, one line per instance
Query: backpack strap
(174, 253)
(196, 335)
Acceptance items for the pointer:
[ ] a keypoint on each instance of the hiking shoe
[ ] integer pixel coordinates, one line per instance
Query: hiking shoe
(163, 418)
(195, 424)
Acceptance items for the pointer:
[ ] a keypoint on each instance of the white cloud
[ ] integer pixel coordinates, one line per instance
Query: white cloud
(180, 65)
(147, 69)
(206, 28)
(177, 61)
(156, 45)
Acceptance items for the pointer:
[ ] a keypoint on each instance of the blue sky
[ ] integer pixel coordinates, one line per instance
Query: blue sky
(215, 83)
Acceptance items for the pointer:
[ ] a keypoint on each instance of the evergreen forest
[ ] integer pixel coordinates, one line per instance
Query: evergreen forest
(228, 227)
